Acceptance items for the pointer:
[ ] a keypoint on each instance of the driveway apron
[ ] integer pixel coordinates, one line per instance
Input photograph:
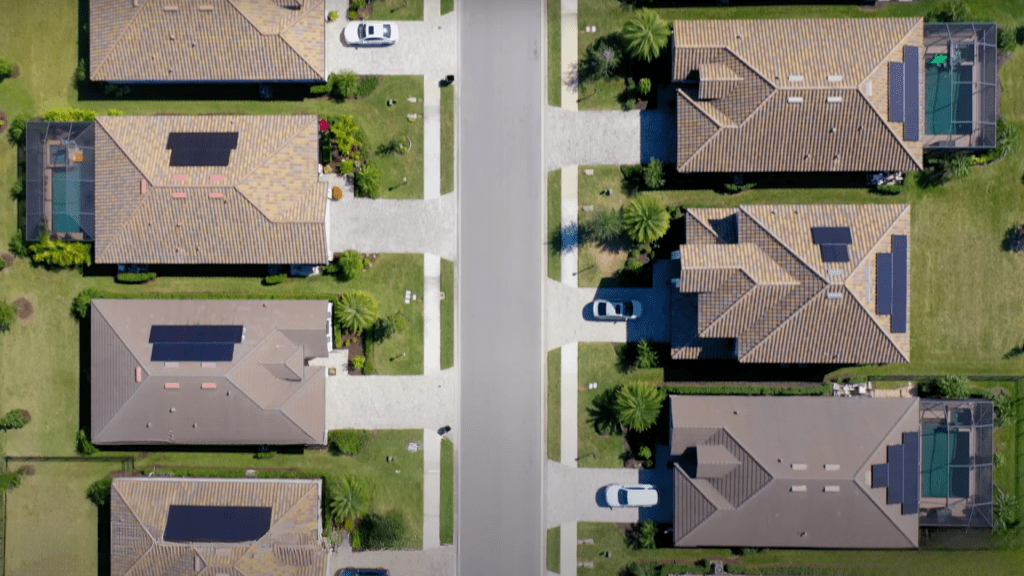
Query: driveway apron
(573, 494)
(394, 226)
(591, 137)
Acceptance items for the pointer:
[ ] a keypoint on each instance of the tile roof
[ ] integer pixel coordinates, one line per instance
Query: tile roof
(767, 446)
(206, 40)
(266, 394)
(755, 95)
(266, 206)
(139, 509)
(777, 298)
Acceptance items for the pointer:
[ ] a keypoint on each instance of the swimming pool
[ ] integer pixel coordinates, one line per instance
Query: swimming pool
(945, 462)
(941, 107)
(67, 207)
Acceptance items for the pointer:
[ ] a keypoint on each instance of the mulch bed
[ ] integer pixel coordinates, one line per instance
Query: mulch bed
(25, 308)
(8, 258)
(354, 349)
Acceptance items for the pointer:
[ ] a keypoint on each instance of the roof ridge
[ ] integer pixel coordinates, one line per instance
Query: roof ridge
(139, 204)
(152, 540)
(889, 130)
(135, 357)
(779, 240)
(681, 92)
(718, 319)
(242, 360)
(283, 408)
(121, 36)
(281, 34)
(703, 223)
(242, 179)
(759, 75)
(787, 320)
(297, 501)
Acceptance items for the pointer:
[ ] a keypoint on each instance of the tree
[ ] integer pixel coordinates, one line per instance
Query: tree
(367, 181)
(654, 174)
(99, 492)
(388, 326)
(356, 311)
(646, 355)
(954, 387)
(11, 480)
(58, 254)
(13, 420)
(6, 68)
(8, 314)
(348, 499)
(601, 226)
(953, 11)
(645, 219)
(343, 85)
(646, 34)
(602, 60)
(642, 535)
(83, 445)
(638, 404)
(348, 265)
(16, 132)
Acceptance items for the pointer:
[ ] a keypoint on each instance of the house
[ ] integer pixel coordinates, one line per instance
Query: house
(821, 283)
(185, 41)
(211, 372)
(181, 189)
(830, 95)
(176, 526)
(826, 472)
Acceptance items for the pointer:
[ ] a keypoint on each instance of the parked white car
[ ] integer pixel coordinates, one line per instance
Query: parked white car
(367, 33)
(614, 310)
(631, 495)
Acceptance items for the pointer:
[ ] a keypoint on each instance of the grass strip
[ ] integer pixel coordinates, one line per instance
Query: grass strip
(555, 404)
(447, 314)
(447, 491)
(554, 549)
(555, 52)
(554, 224)
(448, 139)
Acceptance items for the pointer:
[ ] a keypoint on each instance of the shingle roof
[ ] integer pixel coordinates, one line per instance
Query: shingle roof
(788, 451)
(266, 394)
(206, 40)
(798, 309)
(266, 206)
(139, 509)
(755, 95)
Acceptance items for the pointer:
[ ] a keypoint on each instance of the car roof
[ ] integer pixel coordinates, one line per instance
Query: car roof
(641, 495)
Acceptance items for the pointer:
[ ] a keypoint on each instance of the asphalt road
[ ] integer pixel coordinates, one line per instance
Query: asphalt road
(501, 262)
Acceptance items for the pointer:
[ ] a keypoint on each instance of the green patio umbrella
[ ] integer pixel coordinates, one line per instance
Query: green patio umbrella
(939, 59)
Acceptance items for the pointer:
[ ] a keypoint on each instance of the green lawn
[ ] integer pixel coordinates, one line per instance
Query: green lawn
(554, 548)
(448, 139)
(554, 52)
(597, 364)
(447, 314)
(447, 6)
(447, 491)
(389, 490)
(51, 527)
(554, 223)
(555, 404)
(398, 10)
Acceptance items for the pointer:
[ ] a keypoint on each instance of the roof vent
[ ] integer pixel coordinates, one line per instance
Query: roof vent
(798, 466)
(867, 88)
(834, 99)
(169, 386)
(831, 467)
(795, 100)
(798, 488)
(138, 373)
(206, 8)
(209, 385)
(834, 272)
(835, 78)
(179, 195)
(796, 77)
(831, 488)
(170, 8)
(834, 295)
(143, 186)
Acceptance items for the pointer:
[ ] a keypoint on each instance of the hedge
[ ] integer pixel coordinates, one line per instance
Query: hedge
(349, 441)
(824, 389)
(275, 279)
(134, 277)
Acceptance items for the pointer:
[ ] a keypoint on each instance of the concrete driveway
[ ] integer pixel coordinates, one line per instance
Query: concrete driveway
(573, 494)
(394, 226)
(591, 137)
(425, 48)
(399, 562)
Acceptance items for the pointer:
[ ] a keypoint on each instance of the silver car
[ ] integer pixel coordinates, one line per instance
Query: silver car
(616, 310)
(631, 495)
(367, 33)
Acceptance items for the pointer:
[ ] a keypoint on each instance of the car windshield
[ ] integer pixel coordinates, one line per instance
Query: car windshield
(602, 308)
(362, 31)
(387, 30)
(624, 497)
(627, 309)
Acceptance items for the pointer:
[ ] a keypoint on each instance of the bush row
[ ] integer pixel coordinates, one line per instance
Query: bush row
(80, 305)
(349, 442)
(823, 389)
(135, 277)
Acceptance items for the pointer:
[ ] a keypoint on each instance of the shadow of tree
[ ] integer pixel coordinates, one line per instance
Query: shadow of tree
(1013, 239)
(601, 413)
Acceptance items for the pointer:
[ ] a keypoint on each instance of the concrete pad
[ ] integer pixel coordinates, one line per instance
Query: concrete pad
(431, 562)
(431, 489)
(569, 400)
(591, 137)
(395, 402)
(565, 322)
(394, 226)
(431, 139)
(423, 48)
(567, 549)
(569, 56)
(431, 314)
(570, 225)
(574, 494)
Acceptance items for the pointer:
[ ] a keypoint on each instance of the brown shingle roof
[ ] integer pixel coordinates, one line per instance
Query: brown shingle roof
(266, 206)
(779, 444)
(765, 84)
(206, 40)
(139, 509)
(785, 314)
(266, 394)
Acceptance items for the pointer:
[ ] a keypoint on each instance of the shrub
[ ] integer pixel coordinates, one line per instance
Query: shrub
(367, 84)
(8, 315)
(952, 166)
(348, 136)
(368, 368)
(56, 254)
(654, 174)
(357, 311)
(81, 303)
(10, 480)
(601, 226)
(16, 131)
(347, 266)
(6, 68)
(135, 277)
(645, 219)
(644, 452)
(83, 445)
(891, 189)
(641, 569)
(1006, 39)
(367, 182)
(954, 387)
(677, 212)
(953, 11)
(353, 14)
(18, 189)
(383, 532)
(81, 71)
(358, 362)
(332, 15)
(356, 4)
(99, 492)
(644, 86)
(642, 535)
(346, 167)
(275, 279)
(18, 245)
(735, 188)
(824, 389)
(319, 89)
(646, 355)
(348, 499)
(348, 441)
(388, 326)
(343, 85)
(638, 405)
(645, 34)
(114, 112)
(69, 114)
(602, 60)
(13, 420)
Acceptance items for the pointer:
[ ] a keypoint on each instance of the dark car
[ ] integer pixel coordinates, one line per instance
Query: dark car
(363, 572)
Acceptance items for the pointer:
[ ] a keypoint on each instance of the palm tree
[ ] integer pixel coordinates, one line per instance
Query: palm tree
(348, 499)
(356, 311)
(646, 34)
(645, 219)
(638, 405)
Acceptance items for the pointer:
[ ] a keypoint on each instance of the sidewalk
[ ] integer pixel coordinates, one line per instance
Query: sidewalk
(431, 489)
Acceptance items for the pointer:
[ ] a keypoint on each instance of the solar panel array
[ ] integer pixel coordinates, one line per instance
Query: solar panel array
(833, 242)
(912, 96)
(896, 79)
(194, 343)
(891, 283)
(216, 523)
(201, 148)
(901, 474)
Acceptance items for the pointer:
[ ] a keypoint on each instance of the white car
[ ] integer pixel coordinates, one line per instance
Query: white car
(366, 33)
(631, 495)
(608, 310)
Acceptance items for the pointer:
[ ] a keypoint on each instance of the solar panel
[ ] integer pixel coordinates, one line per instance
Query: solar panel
(879, 475)
(201, 148)
(216, 523)
(912, 93)
(899, 283)
(896, 80)
(196, 333)
(835, 253)
(883, 283)
(911, 473)
(192, 352)
(894, 494)
(832, 235)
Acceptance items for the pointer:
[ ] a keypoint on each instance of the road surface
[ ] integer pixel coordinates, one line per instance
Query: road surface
(501, 255)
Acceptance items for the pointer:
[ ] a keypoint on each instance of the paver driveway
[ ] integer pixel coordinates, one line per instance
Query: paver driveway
(427, 48)
(394, 226)
(591, 137)
(573, 494)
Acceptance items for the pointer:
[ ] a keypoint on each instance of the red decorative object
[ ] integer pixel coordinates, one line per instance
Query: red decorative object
(324, 125)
